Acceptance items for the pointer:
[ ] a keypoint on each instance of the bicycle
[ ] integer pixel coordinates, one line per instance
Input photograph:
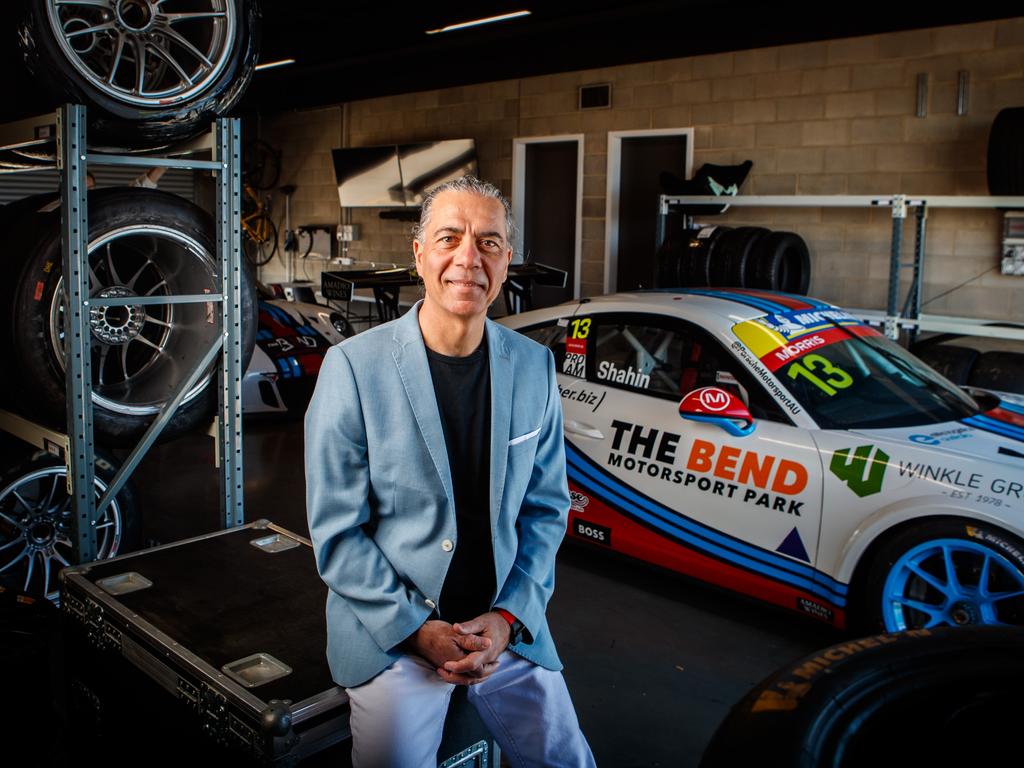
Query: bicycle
(260, 233)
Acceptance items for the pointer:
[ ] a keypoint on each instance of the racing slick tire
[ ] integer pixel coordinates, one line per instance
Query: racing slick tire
(142, 242)
(695, 268)
(905, 581)
(950, 360)
(35, 522)
(781, 262)
(730, 265)
(998, 370)
(1006, 153)
(149, 74)
(926, 697)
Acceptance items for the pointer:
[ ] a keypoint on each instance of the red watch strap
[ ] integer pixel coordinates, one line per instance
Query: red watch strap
(506, 616)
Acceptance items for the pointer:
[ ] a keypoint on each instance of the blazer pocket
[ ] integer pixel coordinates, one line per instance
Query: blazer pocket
(523, 438)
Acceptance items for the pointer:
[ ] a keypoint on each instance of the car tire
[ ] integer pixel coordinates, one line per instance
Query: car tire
(1006, 153)
(130, 230)
(729, 267)
(903, 582)
(198, 68)
(1000, 371)
(949, 360)
(696, 261)
(847, 705)
(36, 514)
(781, 262)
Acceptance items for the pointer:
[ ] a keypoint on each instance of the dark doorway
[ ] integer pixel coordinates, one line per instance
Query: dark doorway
(549, 214)
(643, 158)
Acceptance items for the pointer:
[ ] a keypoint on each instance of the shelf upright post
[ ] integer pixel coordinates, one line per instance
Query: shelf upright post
(71, 156)
(921, 223)
(899, 215)
(229, 246)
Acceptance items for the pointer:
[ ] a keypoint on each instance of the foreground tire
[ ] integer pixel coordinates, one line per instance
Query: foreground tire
(35, 522)
(150, 74)
(942, 572)
(141, 243)
(893, 699)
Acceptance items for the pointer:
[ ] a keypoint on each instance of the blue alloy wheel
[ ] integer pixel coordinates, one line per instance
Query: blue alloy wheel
(951, 582)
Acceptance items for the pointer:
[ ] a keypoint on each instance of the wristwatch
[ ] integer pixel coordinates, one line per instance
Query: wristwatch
(516, 627)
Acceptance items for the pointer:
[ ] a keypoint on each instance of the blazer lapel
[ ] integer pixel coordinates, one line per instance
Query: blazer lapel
(411, 358)
(501, 414)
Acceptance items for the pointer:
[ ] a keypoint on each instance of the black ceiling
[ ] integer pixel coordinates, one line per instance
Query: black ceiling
(355, 49)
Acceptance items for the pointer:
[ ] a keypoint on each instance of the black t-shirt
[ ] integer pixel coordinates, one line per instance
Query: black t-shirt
(462, 386)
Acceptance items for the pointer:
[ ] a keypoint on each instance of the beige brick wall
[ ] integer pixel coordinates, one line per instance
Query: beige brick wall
(833, 117)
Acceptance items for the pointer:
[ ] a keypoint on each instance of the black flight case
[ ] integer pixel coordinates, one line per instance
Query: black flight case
(214, 647)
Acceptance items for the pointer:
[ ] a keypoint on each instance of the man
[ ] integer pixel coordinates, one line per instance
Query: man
(437, 499)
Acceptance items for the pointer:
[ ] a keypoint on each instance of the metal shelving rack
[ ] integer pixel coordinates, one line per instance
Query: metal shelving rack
(73, 158)
(895, 318)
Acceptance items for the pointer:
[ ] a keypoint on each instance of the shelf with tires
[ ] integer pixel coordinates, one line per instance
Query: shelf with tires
(131, 311)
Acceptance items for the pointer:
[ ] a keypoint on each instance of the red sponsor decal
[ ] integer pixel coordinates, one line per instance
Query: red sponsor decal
(815, 340)
(638, 541)
(576, 346)
(1005, 416)
(39, 291)
(748, 467)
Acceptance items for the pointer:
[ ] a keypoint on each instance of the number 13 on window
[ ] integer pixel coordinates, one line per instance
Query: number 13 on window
(836, 378)
(580, 328)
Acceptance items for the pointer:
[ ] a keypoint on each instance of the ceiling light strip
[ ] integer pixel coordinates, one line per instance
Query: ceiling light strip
(272, 64)
(478, 22)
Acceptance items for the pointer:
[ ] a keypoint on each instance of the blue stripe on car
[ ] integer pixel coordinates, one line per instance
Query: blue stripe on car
(699, 537)
(996, 427)
(1011, 407)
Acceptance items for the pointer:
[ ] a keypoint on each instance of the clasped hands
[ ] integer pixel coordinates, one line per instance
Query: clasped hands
(463, 653)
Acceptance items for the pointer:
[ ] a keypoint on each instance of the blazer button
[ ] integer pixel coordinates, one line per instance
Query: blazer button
(447, 545)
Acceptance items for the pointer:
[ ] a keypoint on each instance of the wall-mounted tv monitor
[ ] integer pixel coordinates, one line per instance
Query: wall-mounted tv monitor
(399, 175)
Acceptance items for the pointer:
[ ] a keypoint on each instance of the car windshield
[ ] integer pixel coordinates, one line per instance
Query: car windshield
(848, 376)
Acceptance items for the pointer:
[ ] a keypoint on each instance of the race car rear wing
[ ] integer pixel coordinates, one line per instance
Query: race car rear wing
(387, 283)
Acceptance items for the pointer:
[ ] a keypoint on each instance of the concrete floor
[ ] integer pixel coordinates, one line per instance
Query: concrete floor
(654, 661)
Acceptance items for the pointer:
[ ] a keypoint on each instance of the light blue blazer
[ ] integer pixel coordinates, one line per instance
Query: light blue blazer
(379, 491)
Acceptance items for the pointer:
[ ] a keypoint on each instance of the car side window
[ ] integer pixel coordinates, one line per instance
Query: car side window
(552, 336)
(666, 357)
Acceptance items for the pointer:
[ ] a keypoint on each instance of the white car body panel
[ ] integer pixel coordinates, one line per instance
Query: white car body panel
(695, 498)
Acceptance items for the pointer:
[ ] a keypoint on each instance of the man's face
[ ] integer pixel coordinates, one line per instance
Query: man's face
(465, 253)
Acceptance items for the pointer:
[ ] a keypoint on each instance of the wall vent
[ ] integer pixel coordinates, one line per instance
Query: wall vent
(598, 96)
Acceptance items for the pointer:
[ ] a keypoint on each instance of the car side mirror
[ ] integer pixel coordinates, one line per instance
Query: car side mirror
(717, 406)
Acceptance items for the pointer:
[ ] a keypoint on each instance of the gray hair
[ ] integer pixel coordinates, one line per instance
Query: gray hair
(474, 186)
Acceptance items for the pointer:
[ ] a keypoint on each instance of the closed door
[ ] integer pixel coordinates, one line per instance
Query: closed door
(549, 214)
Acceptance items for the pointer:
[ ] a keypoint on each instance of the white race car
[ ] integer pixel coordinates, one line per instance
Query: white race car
(774, 445)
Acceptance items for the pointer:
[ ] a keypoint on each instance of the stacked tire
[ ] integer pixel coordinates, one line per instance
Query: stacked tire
(740, 257)
(150, 74)
(141, 242)
(996, 370)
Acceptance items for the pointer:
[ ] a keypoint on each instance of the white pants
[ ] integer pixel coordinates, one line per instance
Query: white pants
(397, 718)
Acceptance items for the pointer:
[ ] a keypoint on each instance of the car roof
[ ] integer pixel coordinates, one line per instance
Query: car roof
(730, 305)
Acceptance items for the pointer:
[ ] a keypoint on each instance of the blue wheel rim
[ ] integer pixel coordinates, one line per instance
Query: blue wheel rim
(950, 582)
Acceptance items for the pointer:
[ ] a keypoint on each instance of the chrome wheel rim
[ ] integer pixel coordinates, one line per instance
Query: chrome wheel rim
(142, 354)
(36, 527)
(952, 582)
(148, 53)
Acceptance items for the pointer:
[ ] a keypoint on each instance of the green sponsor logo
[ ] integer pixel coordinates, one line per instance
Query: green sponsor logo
(861, 471)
